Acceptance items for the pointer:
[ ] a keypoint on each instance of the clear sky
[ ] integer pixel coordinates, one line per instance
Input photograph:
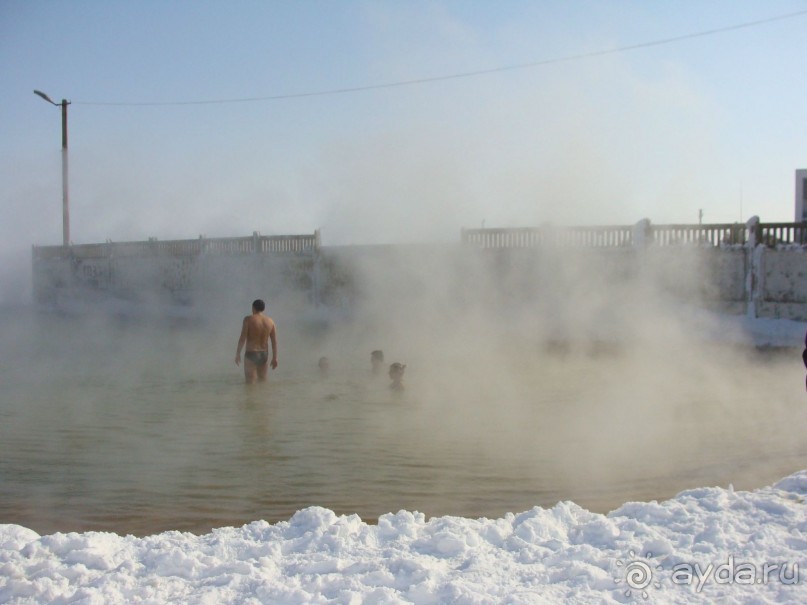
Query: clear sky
(715, 122)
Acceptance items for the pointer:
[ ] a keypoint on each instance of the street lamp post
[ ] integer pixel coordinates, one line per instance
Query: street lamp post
(65, 190)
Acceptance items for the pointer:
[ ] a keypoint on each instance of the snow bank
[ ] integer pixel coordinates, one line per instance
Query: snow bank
(705, 545)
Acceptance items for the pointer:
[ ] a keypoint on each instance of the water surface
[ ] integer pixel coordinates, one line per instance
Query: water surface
(141, 427)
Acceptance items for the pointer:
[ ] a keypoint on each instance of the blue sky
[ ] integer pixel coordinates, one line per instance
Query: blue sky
(714, 122)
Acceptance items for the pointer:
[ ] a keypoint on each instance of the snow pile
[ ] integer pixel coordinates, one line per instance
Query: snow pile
(705, 545)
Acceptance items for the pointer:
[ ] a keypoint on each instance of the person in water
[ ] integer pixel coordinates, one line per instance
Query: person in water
(377, 361)
(324, 366)
(804, 355)
(396, 373)
(257, 331)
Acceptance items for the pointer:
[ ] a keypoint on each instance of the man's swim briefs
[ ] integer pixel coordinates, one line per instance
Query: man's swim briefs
(257, 357)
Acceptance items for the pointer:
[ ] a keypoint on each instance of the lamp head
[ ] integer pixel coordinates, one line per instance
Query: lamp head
(44, 96)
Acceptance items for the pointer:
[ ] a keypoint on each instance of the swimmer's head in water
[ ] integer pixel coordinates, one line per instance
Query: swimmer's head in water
(324, 363)
(259, 305)
(396, 370)
(377, 359)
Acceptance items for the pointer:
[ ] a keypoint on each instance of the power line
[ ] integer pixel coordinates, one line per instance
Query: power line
(467, 74)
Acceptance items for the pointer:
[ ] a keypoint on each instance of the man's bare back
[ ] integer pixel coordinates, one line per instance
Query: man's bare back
(257, 331)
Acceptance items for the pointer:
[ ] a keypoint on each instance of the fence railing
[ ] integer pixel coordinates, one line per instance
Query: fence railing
(527, 237)
(705, 235)
(614, 236)
(715, 235)
(776, 234)
(255, 244)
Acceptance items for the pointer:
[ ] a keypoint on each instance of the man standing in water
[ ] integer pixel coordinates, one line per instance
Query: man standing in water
(256, 332)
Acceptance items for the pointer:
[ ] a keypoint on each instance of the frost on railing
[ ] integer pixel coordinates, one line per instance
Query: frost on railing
(255, 244)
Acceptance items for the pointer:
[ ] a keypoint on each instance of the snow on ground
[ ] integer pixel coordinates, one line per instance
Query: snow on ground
(705, 545)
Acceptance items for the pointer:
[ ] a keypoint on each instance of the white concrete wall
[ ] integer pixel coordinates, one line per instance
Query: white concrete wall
(783, 283)
(212, 281)
(765, 282)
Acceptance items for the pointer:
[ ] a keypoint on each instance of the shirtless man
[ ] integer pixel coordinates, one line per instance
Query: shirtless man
(257, 331)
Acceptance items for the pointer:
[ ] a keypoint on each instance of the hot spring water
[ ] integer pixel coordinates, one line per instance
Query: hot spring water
(137, 428)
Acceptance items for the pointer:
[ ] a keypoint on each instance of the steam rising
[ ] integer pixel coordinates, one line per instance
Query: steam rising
(597, 366)
(581, 374)
(585, 369)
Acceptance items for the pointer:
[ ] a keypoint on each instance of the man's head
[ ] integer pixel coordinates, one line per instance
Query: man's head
(377, 360)
(258, 306)
(396, 371)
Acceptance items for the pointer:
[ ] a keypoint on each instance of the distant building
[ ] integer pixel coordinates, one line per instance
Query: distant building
(801, 196)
